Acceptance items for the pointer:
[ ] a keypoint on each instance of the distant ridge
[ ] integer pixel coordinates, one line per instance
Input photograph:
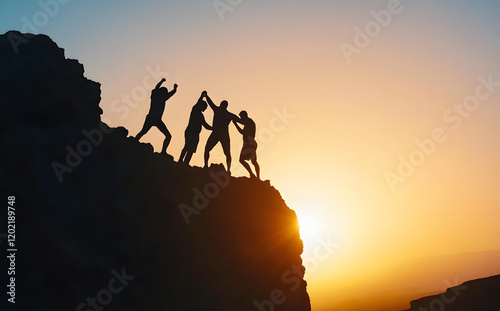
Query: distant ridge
(476, 295)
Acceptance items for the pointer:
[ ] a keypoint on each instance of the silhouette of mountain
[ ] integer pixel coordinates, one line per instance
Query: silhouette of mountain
(102, 221)
(477, 295)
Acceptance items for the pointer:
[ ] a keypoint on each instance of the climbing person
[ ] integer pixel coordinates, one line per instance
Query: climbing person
(249, 149)
(220, 132)
(159, 95)
(192, 132)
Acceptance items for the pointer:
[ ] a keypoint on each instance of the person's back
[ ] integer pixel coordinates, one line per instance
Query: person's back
(158, 99)
(196, 120)
(222, 119)
(248, 129)
(220, 133)
(192, 132)
(159, 96)
(249, 149)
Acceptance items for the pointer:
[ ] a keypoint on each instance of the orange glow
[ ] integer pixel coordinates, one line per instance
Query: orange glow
(347, 125)
(328, 162)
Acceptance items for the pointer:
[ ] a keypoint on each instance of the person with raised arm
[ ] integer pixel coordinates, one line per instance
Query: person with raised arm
(220, 132)
(158, 98)
(192, 132)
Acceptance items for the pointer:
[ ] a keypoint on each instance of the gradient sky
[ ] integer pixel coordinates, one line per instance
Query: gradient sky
(348, 124)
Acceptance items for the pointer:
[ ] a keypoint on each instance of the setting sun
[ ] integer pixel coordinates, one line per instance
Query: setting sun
(376, 121)
(309, 227)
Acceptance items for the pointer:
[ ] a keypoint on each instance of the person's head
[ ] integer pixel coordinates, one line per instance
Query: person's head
(244, 115)
(224, 104)
(201, 105)
(163, 91)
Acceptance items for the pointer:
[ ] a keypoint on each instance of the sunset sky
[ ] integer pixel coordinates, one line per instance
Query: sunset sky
(378, 121)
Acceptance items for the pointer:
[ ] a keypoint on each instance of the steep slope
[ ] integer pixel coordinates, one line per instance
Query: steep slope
(103, 222)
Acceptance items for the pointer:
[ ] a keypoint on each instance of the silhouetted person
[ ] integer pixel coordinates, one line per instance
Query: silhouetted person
(158, 98)
(192, 132)
(249, 149)
(220, 132)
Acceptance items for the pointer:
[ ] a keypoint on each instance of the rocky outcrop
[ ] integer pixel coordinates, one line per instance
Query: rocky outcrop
(102, 221)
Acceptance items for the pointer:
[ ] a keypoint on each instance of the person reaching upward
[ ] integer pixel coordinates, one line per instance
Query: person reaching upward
(192, 132)
(158, 98)
(220, 132)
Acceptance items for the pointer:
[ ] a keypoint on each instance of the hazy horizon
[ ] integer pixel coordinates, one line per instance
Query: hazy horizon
(377, 121)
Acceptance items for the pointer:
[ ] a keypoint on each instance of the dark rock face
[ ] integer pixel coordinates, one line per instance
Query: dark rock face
(476, 295)
(99, 216)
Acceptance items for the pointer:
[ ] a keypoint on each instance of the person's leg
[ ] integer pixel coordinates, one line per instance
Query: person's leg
(211, 142)
(246, 165)
(192, 140)
(163, 128)
(257, 167)
(226, 147)
(145, 128)
(184, 151)
(188, 157)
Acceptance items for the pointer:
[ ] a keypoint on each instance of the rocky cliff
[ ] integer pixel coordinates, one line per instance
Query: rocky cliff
(103, 223)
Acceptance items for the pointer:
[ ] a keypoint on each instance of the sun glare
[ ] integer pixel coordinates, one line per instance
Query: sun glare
(309, 228)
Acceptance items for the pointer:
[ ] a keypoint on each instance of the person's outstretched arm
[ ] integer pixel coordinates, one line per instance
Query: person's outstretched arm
(206, 125)
(209, 101)
(236, 118)
(201, 96)
(238, 127)
(172, 92)
(160, 83)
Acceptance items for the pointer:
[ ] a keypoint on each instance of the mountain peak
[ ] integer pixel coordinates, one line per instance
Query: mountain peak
(108, 222)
